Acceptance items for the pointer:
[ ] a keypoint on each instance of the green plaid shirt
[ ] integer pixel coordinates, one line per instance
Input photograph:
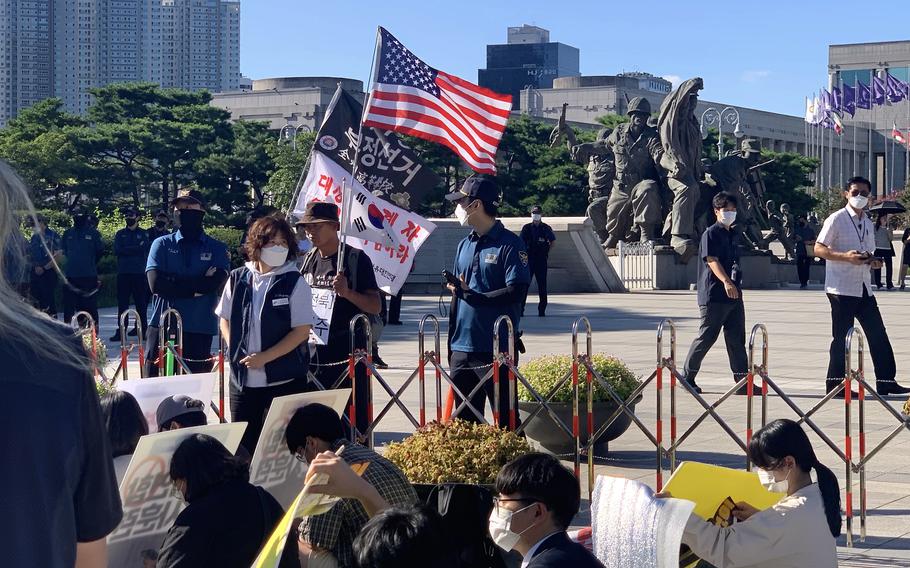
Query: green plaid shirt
(335, 530)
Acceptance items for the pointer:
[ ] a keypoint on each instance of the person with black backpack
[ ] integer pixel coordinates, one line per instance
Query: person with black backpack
(266, 312)
(352, 290)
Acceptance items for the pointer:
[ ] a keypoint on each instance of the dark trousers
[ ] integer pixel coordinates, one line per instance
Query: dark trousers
(251, 405)
(538, 270)
(79, 300)
(466, 377)
(844, 309)
(395, 308)
(329, 375)
(803, 264)
(731, 317)
(44, 289)
(889, 270)
(137, 287)
(197, 348)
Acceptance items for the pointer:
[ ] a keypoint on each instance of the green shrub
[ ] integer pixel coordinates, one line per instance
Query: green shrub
(456, 451)
(544, 372)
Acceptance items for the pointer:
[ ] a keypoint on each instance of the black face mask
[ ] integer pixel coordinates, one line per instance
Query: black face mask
(802, 223)
(79, 222)
(130, 221)
(160, 224)
(190, 222)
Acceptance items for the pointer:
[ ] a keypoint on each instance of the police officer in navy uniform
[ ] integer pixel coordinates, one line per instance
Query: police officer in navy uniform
(161, 227)
(539, 239)
(131, 246)
(45, 249)
(82, 248)
(186, 270)
(491, 267)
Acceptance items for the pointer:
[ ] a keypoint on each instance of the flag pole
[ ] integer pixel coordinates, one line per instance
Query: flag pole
(373, 69)
(907, 138)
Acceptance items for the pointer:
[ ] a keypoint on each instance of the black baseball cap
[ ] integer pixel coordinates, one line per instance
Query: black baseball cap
(189, 197)
(177, 405)
(319, 212)
(480, 187)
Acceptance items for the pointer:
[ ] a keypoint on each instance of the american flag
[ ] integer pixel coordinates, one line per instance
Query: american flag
(411, 97)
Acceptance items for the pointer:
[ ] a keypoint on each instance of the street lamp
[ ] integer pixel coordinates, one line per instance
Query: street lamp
(289, 132)
(728, 115)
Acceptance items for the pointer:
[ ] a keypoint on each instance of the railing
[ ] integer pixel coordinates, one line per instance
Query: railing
(637, 265)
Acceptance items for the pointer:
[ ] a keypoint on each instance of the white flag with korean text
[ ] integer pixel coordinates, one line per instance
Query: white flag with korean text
(388, 234)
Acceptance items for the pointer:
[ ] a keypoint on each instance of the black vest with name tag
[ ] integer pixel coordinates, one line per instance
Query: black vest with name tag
(273, 327)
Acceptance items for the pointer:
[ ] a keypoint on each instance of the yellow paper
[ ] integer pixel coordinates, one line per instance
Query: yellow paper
(708, 485)
(305, 502)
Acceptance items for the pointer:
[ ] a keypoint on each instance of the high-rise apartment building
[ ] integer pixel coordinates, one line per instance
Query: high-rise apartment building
(63, 48)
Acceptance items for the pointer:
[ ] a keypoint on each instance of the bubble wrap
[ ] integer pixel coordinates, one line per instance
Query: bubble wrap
(632, 528)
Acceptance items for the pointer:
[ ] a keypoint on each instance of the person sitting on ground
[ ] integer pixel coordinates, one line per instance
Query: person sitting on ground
(180, 411)
(125, 424)
(226, 520)
(404, 538)
(799, 531)
(312, 430)
(536, 502)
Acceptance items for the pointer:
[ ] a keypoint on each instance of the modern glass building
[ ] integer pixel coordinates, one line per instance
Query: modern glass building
(528, 60)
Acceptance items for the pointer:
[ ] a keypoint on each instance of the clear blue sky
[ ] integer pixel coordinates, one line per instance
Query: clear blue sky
(766, 55)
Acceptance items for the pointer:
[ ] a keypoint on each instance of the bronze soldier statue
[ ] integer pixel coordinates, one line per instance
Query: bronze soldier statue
(731, 174)
(635, 199)
(599, 161)
(680, 136)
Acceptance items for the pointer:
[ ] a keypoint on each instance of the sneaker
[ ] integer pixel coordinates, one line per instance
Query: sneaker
(694, 385)
(115, 337)
(379, 363)
(803, 286)
(133, 332)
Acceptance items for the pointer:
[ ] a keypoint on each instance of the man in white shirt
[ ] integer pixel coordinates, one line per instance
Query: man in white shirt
(537, 500)
(847, 242)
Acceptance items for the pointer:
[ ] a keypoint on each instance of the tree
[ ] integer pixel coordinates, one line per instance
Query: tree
(288, 166)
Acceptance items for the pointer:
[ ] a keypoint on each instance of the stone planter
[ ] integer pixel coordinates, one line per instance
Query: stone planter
(548, 434)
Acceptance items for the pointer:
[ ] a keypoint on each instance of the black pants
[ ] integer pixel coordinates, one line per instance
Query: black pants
(731, 316)
(79, 300)
(539, 271)
(395, 309)
(889, 271)
(466, 377)
(803, 265)
(197, 347)
(329, 375)
(137, 287)
(844, 309)
(44, 289)
(251, 405)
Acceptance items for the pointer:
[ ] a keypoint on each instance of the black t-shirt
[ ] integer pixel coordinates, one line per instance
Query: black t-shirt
(719, 242)
(321, 271)
(57, 472)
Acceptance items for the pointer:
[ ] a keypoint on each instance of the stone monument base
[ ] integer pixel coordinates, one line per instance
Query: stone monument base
(759, 272)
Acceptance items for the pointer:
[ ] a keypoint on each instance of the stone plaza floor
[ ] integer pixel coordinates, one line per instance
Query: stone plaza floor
(625, 325)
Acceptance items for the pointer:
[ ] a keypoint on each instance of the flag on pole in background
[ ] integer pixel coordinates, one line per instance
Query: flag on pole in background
(863, 95)
(879, 88)
(849, 105)
(810, 111)
(897, 89)
(896, 134)
(836, 100)
(410, 97)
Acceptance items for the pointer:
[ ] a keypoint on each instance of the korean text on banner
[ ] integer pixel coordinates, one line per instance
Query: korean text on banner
(274, 467)
(369, 218)
(147, 493)
(323, 305)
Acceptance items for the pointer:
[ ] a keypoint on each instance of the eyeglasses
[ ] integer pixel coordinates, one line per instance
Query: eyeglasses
(857, 192)
(300, 457)
(497, 501)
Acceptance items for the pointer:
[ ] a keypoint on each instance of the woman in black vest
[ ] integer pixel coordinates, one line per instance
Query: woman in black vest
(266, 313)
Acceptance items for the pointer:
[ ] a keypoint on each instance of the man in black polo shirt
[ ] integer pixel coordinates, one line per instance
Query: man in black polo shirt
(539, 239)
(719, 294)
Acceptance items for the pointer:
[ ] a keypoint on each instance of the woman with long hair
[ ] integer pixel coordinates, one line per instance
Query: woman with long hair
(58, 469)
(798, 531)
(125, 424)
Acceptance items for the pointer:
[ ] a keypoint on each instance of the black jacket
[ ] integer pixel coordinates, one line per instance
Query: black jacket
(226, 528)
(559, 551)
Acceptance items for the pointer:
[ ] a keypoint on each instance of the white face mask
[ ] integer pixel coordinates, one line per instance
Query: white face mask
(274, 255)
(858, 201)
(501, 527)
(727, 217)
(462, 215)
(767, 480)
(535, 217)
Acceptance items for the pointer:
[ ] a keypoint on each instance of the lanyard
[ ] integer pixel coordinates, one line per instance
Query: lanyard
(860, 235)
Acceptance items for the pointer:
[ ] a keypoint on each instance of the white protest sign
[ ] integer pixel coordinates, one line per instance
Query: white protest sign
(147, 493)
(151, 391)
(274, 468)
(377, 217)
(323, 304)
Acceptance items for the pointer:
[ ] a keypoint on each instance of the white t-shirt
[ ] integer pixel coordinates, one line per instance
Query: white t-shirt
(301, 303)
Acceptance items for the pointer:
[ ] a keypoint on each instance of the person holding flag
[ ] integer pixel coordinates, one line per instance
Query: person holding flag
(349, 284)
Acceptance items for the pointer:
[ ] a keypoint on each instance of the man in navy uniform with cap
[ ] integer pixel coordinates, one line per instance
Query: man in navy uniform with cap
(491, 268)
(186, 270)
(131, 246)
(539, 239)
(82, 248)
